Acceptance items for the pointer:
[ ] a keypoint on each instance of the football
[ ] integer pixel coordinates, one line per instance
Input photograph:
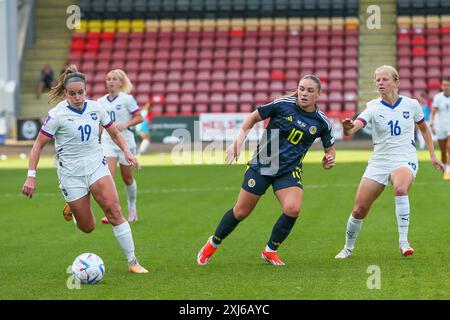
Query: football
(88, 268)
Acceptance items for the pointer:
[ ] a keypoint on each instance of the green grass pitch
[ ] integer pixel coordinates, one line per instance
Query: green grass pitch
(179, 208)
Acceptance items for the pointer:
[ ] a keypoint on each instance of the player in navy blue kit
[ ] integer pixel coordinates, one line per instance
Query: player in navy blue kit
(295, 123)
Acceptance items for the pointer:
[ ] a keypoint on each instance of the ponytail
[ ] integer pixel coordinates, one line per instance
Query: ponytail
(71, 72)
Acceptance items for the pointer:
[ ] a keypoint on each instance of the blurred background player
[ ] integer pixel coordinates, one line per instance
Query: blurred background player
(124, 112)
(46, 80)
(143, 129)
(440, 123)
(295, 123)
(394, 158)
(74, 124)
(422, 98)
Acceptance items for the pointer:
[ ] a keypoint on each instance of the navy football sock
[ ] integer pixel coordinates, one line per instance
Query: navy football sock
(225, 227)
(280, 231)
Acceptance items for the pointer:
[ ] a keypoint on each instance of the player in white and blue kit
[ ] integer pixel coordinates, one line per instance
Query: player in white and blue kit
(393, 119)
(440, 123)
(74, 125)
(125, 113)
(295, 123)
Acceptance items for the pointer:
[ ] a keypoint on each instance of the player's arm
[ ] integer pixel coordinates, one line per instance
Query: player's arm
(351, 127)
(434, 110)
(429, 143)
(234, 150)
(328, 160)
(118, 139)
(30, 183)
(136, 119)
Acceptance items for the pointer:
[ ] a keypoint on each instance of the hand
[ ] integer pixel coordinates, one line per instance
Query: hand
(132, 160)
(328, 161)
(431, 125)
(233, 152)
(29, 187)
(121, 126)
(347, 124)
(437, 163)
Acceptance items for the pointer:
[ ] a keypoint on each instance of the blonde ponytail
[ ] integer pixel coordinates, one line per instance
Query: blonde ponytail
(126, 86)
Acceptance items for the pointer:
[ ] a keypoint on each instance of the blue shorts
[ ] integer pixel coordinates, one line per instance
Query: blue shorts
(257, 184)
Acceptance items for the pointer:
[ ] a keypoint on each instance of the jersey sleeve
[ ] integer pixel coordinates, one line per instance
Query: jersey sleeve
(50, 126)
(366, 116)
(436, 101)
(419, 117)
(105, 119)
(327, 136)
(267, 110)
(132, 105)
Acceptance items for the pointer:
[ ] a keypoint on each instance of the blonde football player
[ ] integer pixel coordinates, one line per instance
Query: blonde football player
(394, 158)
(74, 124)
(440, 123)
(125, 113)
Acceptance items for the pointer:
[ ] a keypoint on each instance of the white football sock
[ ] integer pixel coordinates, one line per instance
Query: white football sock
(267, 249)
(144, 145)
(131, 194)
(402, 213)
(122, 232)
(353, 227)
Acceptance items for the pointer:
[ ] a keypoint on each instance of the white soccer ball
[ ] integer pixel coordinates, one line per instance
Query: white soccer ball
(88, 268)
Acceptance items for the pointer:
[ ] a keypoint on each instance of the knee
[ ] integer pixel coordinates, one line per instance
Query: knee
(128, 180)
(291, 210)
(88, 228)
(400, 190)
(241, 212)
(360, 211)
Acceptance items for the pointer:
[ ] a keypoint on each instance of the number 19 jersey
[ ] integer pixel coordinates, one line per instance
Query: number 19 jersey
(76, 134)
(392, 127)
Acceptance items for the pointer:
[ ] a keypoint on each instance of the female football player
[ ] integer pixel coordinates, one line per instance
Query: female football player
(74, 124)
(124, 112)
(440, 123)
(394, 158)
(295, 123)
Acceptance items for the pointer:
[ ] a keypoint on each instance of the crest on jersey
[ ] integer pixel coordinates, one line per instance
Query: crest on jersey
(313, 129)
(94, 116)
(251, 183)
(118, 106)
(406, 114)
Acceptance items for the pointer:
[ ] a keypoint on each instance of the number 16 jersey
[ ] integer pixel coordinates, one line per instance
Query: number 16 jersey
(392, 127)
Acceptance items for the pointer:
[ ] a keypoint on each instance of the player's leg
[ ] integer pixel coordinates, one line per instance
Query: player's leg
(443, 147)
(104, 192)
(290, 200)
(368, 191)
(447, 163)
(131, 190)
(82, 211)
(111, 159)
(253, 187)
(402, 179)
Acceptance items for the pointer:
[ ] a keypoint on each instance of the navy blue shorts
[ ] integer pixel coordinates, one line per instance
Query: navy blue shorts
(257, 184)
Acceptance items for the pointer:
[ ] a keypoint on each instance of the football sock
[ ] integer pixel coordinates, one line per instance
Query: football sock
(143, 147)
(402, 213)
(225, 227)
(353, 227)
(280, 231)
(122, 232)
(131, 194)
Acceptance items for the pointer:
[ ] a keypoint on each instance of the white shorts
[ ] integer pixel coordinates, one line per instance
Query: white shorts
(76, 187)
(113, 151)
(442, 132)
(380, 171)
